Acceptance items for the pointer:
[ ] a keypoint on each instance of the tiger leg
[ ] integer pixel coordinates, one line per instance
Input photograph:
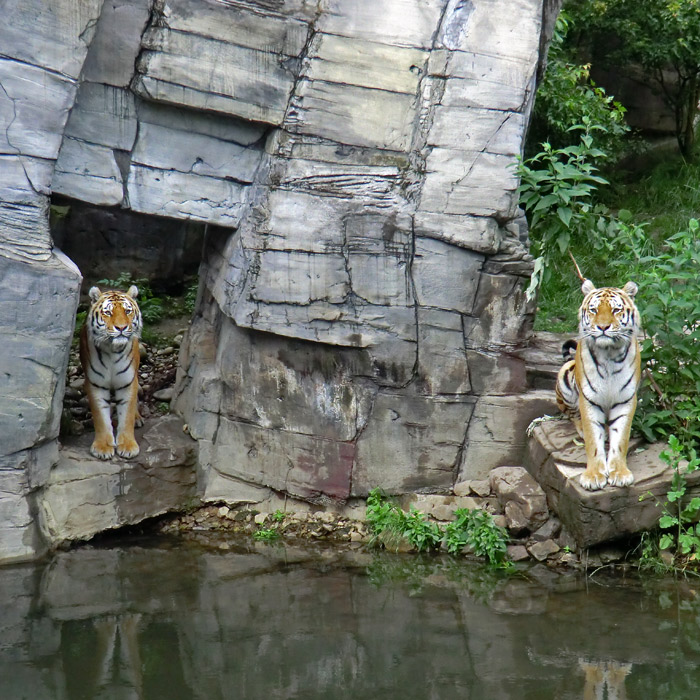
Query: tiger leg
(98, 397)
(619, 428)
(127, 411)
(592, 423)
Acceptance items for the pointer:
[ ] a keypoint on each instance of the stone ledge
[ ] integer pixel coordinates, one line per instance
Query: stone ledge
(85, 496)
(594, 517)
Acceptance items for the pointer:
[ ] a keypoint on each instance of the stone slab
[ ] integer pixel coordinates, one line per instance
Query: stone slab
(446, 277)
(411, 442)
(54, 36)
(497, 432)
(198, 154)
(593, 517)
(103, 115)
(185, 195)
(24, 209)
(117, 42)
(87, 172)
(305, 466)
(401, 23)
(34, 106)
(85, 496)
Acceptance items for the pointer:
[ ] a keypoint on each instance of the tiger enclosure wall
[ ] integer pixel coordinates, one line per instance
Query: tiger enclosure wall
(361, 307)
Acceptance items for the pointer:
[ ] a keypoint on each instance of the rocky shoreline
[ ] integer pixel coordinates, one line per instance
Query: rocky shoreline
(536, 536)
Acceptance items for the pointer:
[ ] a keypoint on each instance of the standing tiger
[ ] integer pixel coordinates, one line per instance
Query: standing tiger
(109, 354)
(599, 385)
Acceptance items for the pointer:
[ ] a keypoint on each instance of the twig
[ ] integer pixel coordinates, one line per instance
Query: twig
(578, 270)
(655, 387)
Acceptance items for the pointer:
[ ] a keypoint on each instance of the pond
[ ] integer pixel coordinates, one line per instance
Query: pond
(219, 619)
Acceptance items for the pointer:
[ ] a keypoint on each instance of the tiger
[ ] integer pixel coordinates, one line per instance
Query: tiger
(598, 386)
(109, 354)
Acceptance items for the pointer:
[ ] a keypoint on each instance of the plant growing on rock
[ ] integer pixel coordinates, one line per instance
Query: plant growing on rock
(680, 516)
(473, 529)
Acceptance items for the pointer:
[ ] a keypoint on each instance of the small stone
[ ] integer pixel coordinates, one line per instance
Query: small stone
(71, 393)
(167, 351)
(541, 550)
(516, 520)
(666, 557)
(143, 352)
(443, 512)
(164, 394)
(78, 384)
(260, 518)
(223, 511)
(520, 494)
(463, 488)
(177, 340)
(467, 502)
(356, 536)
(517, 552)
(500, 521)
(481, 487)
(548, 531)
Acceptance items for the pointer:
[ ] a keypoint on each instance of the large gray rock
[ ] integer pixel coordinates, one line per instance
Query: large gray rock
(84, 496)
(557, 458)
(361, 304)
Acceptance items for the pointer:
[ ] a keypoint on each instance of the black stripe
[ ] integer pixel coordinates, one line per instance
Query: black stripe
(625, 385)
(92, 367)
(124, 386)
(593, 403)
(596, 363)
(99, 386)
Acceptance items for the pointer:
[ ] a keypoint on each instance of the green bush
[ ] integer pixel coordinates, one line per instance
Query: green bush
(567, 96)
(474, 529)
(669, 403)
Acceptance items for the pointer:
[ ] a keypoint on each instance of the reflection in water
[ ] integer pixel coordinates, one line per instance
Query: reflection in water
(193, 621)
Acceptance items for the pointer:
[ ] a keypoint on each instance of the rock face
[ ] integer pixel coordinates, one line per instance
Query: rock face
(361, 299)
(84, 496)
(592, 517)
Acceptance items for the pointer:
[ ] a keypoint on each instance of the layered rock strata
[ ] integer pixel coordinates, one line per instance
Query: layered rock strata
(361, 297)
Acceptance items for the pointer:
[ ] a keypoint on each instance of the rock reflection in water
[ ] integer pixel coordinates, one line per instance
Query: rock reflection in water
(189, 621)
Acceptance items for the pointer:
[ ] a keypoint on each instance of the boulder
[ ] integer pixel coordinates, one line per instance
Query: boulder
(557, 458)
(85, 496)
(524, 501)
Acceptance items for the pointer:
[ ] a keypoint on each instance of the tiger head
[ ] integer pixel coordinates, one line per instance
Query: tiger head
(608, 316)
(114, 317)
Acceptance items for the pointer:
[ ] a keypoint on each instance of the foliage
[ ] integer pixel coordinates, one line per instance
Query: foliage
(661, 36)
(266, 534)
(475, 529)
(278, 516)
(556, 190)
(668, 298)
(566, 96)
(472, 529)
(680, 516)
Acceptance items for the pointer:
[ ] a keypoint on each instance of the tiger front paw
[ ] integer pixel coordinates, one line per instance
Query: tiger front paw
(593, 479)
(620, 476)
(103, 447)
(127, 447)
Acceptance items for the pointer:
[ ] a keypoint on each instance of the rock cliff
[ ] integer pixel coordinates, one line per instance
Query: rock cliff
(361, 288)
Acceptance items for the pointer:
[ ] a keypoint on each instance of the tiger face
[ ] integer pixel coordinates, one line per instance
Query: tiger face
(114, 318)
(608, 316)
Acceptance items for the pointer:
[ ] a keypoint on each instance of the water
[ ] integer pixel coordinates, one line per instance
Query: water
(192, 620)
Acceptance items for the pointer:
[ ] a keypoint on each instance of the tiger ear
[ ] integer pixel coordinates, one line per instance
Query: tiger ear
(94, 293)
(587, 287)
(630, 289)
(133, 291)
